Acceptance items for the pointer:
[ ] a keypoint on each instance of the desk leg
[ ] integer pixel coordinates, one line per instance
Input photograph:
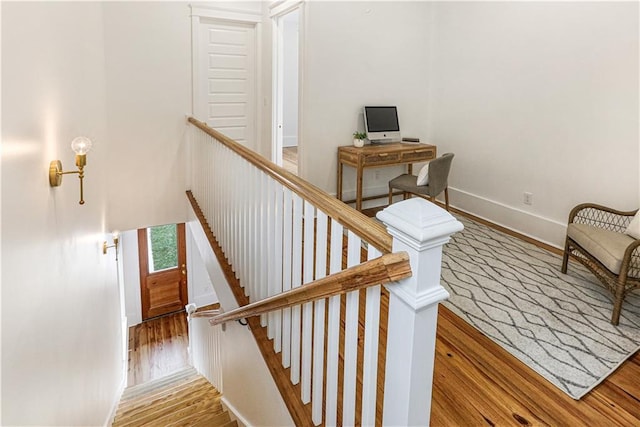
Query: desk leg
(339, 189)
(410, 168)
(359, 188)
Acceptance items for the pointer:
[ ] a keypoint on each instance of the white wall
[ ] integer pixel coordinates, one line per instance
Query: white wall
(359, 53)
(539, 97)
(131, 277)
(201, 291)
(61, 331)
(148, 75)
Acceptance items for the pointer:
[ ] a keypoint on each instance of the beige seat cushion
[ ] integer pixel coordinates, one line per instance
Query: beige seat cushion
(606, 246)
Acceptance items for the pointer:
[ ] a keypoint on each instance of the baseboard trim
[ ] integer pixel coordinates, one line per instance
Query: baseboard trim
(545, 230)
(114, 406)
(234, 413)
(289, 141)
(537, 227)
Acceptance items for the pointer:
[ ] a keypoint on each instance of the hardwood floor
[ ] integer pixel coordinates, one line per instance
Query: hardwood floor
(476, 382)
(290, 159)
(157, 348)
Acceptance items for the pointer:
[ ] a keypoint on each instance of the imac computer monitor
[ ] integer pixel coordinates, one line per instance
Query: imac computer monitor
(381, 124)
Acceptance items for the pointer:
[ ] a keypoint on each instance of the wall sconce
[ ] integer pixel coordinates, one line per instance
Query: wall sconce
(81, 147)
(116, 238)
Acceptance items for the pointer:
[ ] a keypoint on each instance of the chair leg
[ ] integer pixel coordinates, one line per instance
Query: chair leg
(619, 299)
(565, 257)
(390, 196)
(446, 197)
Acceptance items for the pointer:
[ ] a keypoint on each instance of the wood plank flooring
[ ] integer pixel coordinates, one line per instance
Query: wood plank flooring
(476, 382)
(290, 159)
(157, 348)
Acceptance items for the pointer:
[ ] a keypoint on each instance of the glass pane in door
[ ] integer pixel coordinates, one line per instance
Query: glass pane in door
(163, 245)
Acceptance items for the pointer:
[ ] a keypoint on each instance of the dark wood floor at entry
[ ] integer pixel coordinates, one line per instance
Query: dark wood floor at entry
(476, 382)
(157, 348)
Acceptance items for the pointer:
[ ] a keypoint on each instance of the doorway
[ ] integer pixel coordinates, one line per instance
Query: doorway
(163, 269)
(287, 94)
(225, 78)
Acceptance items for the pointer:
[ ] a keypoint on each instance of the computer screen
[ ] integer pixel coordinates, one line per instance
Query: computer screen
(381, 123)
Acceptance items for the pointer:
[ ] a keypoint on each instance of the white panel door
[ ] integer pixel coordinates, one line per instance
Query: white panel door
(227, 61)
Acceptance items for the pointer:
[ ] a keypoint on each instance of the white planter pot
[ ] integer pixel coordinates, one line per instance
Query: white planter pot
(358, 142)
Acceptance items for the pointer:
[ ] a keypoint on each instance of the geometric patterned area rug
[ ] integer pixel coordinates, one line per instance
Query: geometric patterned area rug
(557, 324)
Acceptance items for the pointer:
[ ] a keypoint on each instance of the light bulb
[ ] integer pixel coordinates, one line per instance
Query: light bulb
(81, 145)
(115, 234)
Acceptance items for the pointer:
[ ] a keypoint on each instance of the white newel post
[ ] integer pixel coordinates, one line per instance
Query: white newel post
(421, 229)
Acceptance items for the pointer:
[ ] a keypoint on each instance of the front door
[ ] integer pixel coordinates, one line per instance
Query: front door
(163, 269)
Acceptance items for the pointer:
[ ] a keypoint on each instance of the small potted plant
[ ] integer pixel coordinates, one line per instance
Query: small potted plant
(358, 139)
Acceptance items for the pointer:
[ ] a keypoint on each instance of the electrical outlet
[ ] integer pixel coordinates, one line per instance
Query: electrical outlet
(527, 198)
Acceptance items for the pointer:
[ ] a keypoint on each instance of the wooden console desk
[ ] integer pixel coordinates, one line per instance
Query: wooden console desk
(376, 156)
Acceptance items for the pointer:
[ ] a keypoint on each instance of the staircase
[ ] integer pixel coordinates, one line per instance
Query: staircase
(184, 398)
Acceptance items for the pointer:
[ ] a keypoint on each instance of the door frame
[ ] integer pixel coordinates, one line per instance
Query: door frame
(206, 15)
(143, 259)
(277, 12)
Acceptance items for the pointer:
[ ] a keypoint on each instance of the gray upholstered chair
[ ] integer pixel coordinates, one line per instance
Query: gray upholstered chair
(437, 183)
(596, 237)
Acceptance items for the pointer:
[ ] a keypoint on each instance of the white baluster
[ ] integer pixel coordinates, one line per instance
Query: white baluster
(277, 263)
(318, 325)
(263, 231)
(287, 275)
(253, 242)
(333, 332)
(370, 355)
(296, 280)
(272, 261)
(307, 309)
(351, 338)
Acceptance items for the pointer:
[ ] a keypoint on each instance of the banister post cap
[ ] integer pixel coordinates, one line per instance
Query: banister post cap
(417, 221)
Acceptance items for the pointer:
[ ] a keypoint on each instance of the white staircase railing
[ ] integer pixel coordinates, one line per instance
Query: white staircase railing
(205, 347)
(279, 232)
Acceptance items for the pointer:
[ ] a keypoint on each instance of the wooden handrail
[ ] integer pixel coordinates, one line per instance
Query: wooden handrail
(384, 269)
(207, 313)
(369, 230)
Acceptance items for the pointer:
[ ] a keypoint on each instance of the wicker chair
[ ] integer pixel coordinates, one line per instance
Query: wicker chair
(595, 238)
(438, 181)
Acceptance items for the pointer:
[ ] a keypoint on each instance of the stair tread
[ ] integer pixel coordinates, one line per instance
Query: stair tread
(183, 398)
(205, 418)
(192, 402)
(157, 397)
(176, 376)
(186, 395)
(168, 415)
